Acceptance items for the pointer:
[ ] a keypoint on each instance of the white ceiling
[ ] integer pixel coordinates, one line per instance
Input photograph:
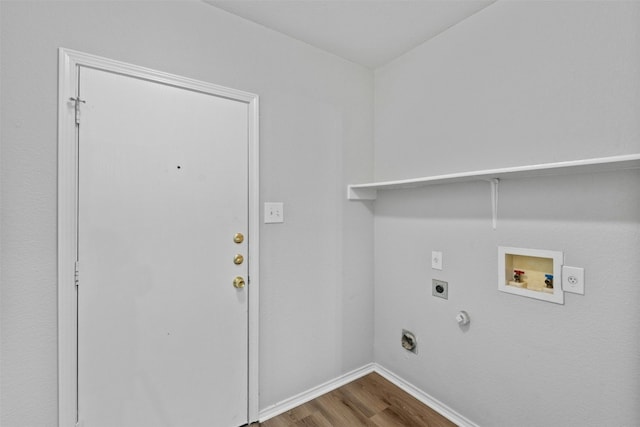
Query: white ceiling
(368, 32)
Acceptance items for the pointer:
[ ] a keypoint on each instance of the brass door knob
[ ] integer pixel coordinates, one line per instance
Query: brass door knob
(238, 259)
(238, 282)
(238, 238)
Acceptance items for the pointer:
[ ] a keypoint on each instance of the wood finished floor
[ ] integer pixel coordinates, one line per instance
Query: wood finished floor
(369, 401)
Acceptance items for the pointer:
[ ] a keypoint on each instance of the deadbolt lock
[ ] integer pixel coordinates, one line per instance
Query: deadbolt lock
(238, 259)
(238, 238)
(238, 282)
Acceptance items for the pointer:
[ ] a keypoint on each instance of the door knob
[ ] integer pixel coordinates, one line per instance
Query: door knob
(238, 238)
(238, 259)
(238, 282)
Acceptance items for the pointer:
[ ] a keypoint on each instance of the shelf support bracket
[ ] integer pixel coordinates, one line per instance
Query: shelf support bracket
(494, 201)
(361, 193)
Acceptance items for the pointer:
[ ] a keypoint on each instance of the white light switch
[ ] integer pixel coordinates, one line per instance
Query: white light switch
(273, 212)
(436, 260)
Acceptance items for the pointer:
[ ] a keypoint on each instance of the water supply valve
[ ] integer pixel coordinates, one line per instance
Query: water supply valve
(517, 275)
(463, 318)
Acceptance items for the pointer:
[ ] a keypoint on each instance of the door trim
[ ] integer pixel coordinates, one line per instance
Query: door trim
(68, 63)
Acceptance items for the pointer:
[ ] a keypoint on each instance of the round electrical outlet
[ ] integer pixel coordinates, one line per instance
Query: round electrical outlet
(440, 289)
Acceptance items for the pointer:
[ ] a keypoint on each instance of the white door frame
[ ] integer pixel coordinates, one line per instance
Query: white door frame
(68, 64)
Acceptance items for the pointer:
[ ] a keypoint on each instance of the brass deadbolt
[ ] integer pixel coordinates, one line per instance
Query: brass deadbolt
(238, 282)
(238, 259)
(238, 238)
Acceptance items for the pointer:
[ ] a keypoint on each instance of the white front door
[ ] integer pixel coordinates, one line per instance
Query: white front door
(163, 190)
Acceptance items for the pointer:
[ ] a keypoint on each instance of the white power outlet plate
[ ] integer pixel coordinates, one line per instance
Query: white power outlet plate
(573, 279)
(436, 260)
(273, 212)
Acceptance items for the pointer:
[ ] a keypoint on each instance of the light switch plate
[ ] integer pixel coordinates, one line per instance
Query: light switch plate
(573, 279)
(436, 260)
(273, 212)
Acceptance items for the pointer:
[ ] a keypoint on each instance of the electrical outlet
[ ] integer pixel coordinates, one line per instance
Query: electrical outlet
(573, 279)
(440, 289)
(273, 212)
(436, 260)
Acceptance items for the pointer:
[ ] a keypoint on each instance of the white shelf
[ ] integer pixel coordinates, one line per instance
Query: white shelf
(369, 191)
(493, 176)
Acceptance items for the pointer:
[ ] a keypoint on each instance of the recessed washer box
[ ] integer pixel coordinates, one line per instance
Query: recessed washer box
(533, 273)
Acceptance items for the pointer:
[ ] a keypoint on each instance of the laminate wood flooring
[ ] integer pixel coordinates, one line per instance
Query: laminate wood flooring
(369, 401)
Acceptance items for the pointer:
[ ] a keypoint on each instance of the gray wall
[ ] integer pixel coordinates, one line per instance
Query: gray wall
(519, 83)
(316, 136)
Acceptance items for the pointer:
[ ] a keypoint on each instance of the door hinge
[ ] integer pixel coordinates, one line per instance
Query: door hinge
(77, 101)
(76, 276)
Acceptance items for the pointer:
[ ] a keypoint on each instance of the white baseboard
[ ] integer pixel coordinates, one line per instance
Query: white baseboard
(414, 391)
(314, 392)
(425, 398)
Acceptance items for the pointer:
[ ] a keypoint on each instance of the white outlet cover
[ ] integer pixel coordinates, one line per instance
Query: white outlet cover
(436, 260)
(573, 279)
(273, 212)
